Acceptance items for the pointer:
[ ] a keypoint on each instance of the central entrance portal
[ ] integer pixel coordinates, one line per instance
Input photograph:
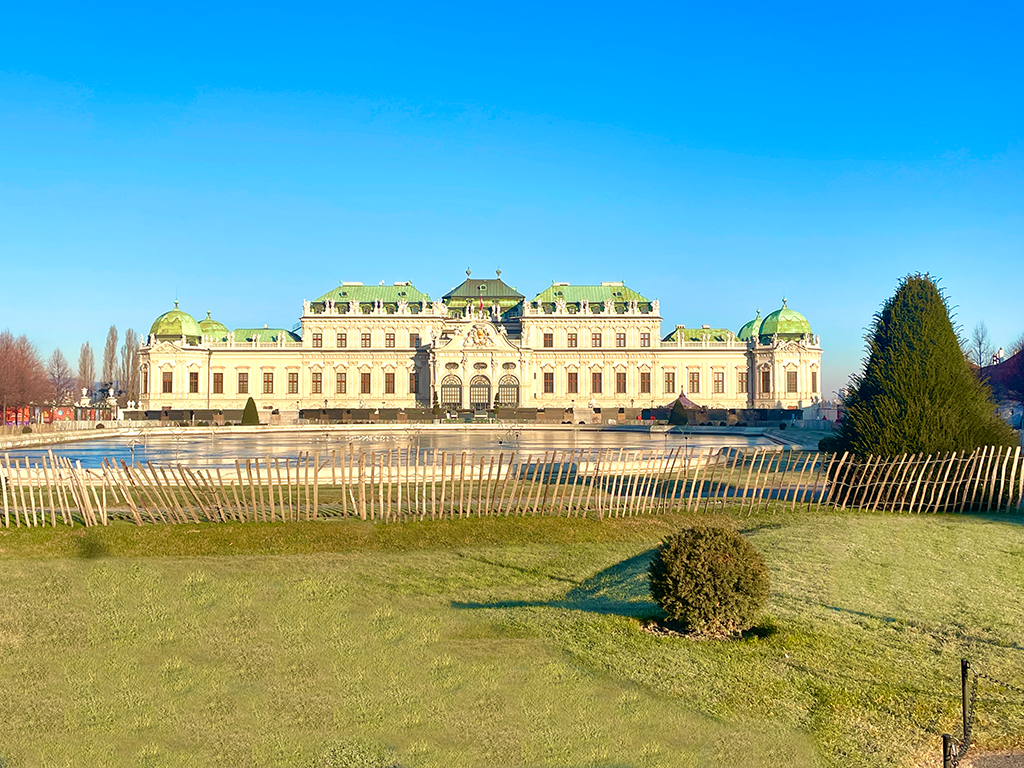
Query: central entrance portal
(480, 393)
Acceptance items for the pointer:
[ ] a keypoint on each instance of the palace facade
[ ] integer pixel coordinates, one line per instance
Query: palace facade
(480, 345)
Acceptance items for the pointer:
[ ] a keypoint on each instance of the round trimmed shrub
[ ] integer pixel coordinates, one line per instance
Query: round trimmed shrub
(26, 430)
(710, 581)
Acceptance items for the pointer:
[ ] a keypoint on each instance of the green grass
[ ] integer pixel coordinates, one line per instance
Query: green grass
(497, 642)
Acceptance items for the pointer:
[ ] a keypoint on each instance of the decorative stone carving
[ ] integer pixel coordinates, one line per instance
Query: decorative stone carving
(656, 307)
(403, 307)
(585, 307)
(478, 337)
(353, 307)
(560, 306)
(609, 308)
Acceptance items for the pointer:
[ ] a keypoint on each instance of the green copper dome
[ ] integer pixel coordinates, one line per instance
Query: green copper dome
(751, 329)
(175, 324)
(211, 327)
(788, 324)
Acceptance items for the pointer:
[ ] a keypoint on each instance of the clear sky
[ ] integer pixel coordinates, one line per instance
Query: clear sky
(244, 157)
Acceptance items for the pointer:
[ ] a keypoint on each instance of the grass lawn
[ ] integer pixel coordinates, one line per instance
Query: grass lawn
(497, 642)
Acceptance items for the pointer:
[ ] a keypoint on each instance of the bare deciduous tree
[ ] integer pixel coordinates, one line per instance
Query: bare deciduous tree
(86, 369)
(22, 375)
(128, 373)
(1016, 345)
(109, 378)
(62, 378)
(980, 345)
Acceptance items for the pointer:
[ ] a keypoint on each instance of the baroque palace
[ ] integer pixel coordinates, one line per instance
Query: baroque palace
(483, 344)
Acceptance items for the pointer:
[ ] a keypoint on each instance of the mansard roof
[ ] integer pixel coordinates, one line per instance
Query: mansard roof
(264, 335)
(682, 333)
(615, 293)
(489, 290)
(387, 295)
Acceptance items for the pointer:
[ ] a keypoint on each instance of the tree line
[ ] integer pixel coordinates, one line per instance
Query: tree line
(26, 379)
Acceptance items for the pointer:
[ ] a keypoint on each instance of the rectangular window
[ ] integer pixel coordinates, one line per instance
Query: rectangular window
(573, 382)
(193, 382)
(168, 382)
(620, 382)
(549, 340)
(318, 340)
(670, 382)
(341, 383)
(645, 339)
(389, 383)
(414, 383)
(766, 382)
(364, 341)
(389, 340)
(341, 340)
(791, 382)
(414, 340)
(620, 339)
(695, 381)
(595, 382)
(741, 382)
(145, 380)
(814, 382)
(549, 383)
(317, 383)
(595, 340)
(645, 382)
(364, 383)
(268, 383)
(718, 382)
(218, 383)
(243, 382)
(571, 340)
(293, 383)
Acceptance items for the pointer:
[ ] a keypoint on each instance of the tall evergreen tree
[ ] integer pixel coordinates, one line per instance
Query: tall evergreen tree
(917, 393)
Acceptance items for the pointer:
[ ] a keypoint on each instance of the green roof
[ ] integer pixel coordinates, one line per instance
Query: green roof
(574, 294)
(175, 324)
(490, 290)
(368, 294)
(784, 322)
(697, 334)
(211, 327)
(750, 329)
(264, 335)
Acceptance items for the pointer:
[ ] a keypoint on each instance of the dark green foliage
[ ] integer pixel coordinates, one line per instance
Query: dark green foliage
(26, 430)
(250, 416)
(678, 414)
(917, 394)
(709, 580)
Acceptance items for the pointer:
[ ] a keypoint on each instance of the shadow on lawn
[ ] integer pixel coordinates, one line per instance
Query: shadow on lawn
(621, 590)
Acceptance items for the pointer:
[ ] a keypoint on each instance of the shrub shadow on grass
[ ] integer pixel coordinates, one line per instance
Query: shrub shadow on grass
(90, 547)
(620, 590)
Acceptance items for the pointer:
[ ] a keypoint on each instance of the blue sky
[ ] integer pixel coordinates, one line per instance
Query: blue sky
(246, 157)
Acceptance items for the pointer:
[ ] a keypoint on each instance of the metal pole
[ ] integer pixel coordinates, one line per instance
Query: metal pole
(965, 667)
(947, 751)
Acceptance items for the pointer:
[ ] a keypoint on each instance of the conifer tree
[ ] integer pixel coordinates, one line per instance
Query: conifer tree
(250, 416)
(917, 393)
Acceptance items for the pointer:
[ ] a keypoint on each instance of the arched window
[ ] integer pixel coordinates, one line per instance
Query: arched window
(451, 392)
(480, 393)
(508, 391)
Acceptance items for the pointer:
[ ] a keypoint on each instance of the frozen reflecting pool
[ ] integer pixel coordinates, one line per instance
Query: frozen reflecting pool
(197, 448)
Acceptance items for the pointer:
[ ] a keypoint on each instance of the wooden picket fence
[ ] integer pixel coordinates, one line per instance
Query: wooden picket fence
(417, 484)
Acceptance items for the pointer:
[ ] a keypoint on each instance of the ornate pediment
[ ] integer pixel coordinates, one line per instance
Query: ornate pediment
(479, 336)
